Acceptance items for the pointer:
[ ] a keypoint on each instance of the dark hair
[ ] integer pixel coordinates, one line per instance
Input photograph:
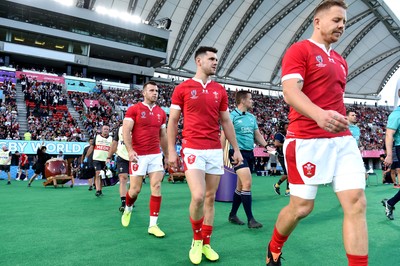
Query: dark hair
(349, 111)
(149, 83)
(327, 4)
(43, 148)
(241, 95)
(382, 156)
(203, 50)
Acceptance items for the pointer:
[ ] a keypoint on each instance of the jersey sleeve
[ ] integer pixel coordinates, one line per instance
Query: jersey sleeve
(177, 98)
(393, 121)
(131, 113)
(294, 62)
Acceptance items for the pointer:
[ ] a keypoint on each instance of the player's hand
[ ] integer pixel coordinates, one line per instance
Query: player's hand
(388, 160)
(270, 150)
(173, 160)
(332, 121)
(85, 160)
(133, 157)
(237, 158)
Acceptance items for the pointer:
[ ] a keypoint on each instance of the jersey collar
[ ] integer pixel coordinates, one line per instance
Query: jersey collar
(201, 82)
(148, 106)
(240, 112)
(320, 45)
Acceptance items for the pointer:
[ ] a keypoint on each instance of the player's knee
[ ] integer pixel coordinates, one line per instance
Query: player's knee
(123, 179)
(134, 191)
(358, 204)
(156, 187)
(198, 198)
(302, 211)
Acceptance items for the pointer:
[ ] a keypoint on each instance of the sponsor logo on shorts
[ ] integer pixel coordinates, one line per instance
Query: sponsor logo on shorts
(309, 169)
(191, 159)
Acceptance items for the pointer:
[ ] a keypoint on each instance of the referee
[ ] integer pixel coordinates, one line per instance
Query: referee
(247, 134)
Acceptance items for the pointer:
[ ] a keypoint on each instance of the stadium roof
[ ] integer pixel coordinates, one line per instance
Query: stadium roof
(252, 36)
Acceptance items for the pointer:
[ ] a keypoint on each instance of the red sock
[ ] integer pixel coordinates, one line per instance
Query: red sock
(277, 241)
(196, 226)
(155, 203)
(129, 201)
(357, 260)
(206, 231)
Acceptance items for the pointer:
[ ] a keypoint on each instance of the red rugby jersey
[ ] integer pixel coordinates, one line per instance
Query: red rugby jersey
(324, 74)
(201, 105)
(146, 129)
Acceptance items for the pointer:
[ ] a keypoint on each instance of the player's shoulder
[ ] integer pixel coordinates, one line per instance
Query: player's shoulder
(134, 107)
(217, 84)
(300, 45)
(337, 56)
(184, 84)
(299, 49)
(251, 115)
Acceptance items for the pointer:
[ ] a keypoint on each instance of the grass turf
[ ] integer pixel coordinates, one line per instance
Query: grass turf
(64, 226)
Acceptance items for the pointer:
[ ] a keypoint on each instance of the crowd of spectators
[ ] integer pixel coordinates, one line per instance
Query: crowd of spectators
(96, 116)
(47, 112)
(268, 111)
(9, 126)
(46, 120)
(372, 123)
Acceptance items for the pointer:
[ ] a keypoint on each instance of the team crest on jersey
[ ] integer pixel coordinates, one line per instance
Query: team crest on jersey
(309, 169)
(191, 159)
(320, 61)
(216, 94)
(143, 114)
(135, 167)
(194, 94)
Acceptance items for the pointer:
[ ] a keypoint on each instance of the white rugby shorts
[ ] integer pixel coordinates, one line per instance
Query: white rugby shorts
(146, 164)
(311, 162)
(210, 161)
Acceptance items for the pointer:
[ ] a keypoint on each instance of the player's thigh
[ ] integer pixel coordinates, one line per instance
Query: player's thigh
(195, 179)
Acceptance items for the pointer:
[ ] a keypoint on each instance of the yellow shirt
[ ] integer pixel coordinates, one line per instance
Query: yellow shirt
(27, 136)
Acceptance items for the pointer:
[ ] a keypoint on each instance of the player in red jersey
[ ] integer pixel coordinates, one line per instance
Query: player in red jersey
(144, 130)
(23, 164)
(319, 147)
(203, 103)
